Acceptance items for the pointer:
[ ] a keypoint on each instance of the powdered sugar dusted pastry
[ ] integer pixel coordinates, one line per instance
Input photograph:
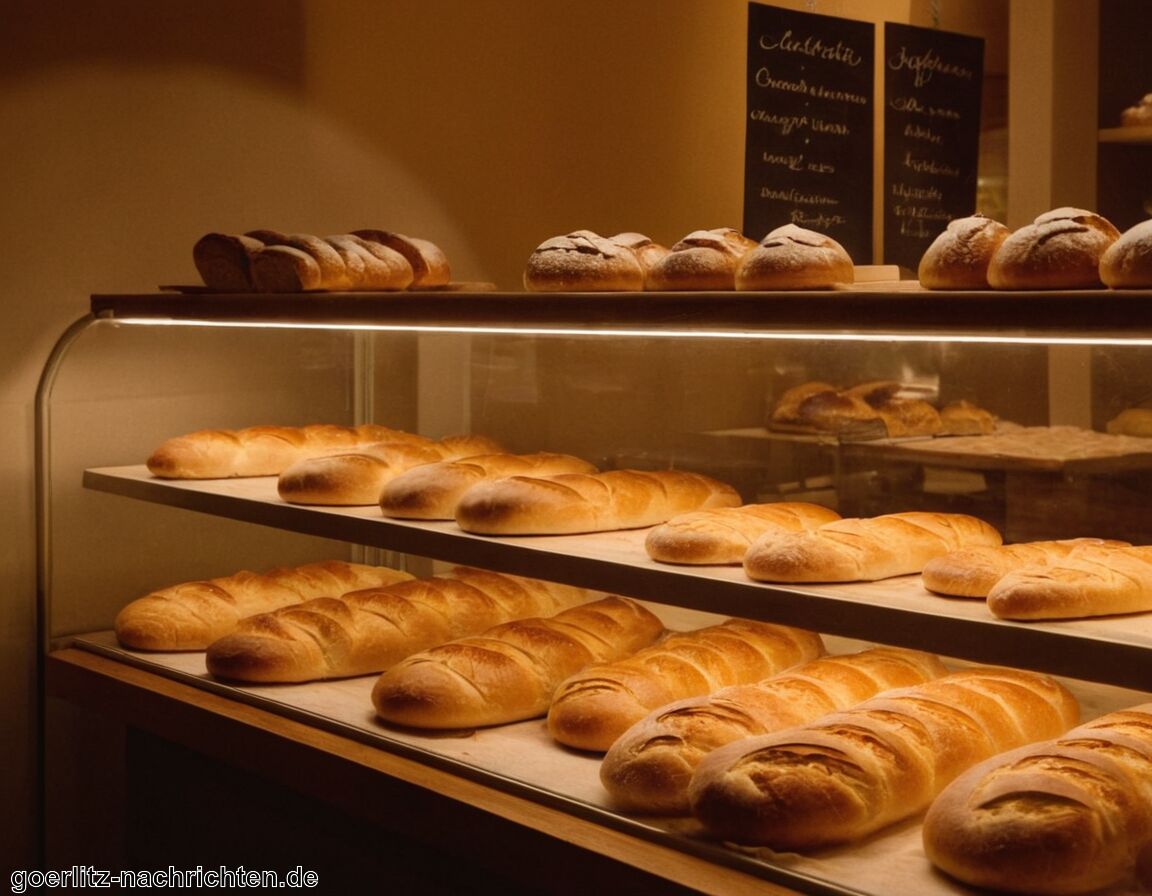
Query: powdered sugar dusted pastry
(1061, 249)
(583, 261)
(959, 257)
(1127, 263)
(704, 259)
(791, 257)
(1138, 115)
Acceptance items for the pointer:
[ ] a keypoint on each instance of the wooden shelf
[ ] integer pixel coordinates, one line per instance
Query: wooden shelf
(1126, 135)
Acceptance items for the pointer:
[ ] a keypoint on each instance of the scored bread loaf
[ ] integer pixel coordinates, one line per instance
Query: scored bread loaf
(703, 260)
(429, 264)
(853, 772)
(598, 704)
(432, 491)
(971, 572)
(585, 261)
(792, 257)
(509, 673)
(357, 479)
(192, 615)
(262, 450)
(865, 549)
(570, 503)
(367, 631)
(1061, 249)
(650, 765)
(1068, 815)
(1095, 580)
(721, 535)
(959, 256)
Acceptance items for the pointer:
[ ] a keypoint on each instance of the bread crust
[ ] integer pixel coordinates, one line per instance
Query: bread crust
(959, 256)
(702, 260)
(583, 261)
(1127, 263)
(792, 257)
(1061, 249)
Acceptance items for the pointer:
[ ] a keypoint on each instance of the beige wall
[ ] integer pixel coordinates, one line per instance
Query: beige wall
(129, 128)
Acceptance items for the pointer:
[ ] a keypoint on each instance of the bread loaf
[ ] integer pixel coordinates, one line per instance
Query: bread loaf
(650, 765)
(721, 535)
(702, 260)
(368, 631)
(853, 772)
(1131, 422)
(1068, 815)
(971, 572)
(262, 450)
(192, 615)
(792, 257)
(569, 503)
(865, 549)
(224, 260)
(1095, 580)
(1127, 263)
(432, 491)
(963, 418)
(958, 257)
(510, 672)
(584, 261)
(598, 704)
(357, 479)
(1061, 249)
(429, 264)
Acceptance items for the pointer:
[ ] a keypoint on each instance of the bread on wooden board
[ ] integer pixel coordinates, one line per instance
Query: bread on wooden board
(598, 704)
(865, 549)
(367, 631)
(432, 491)
(429, 264)
(585, 261)
(792, 257)
(650, 765)
(571, 503)
(509, 673)
(959, 256)
(702, 260)
(722, 535)
(853, 772)
(1062, 816)
(192, 615)
(1061, 249)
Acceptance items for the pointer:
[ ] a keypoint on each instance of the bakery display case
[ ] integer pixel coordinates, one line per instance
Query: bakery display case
(653, 381)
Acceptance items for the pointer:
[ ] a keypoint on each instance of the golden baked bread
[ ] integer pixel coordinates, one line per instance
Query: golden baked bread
(963, 418)
(509, 673)
(791, 257)
(1127, 263)
(1131, 422)
(909, 417)
(584, 261)
(596, 705)
(1068, 815)
(959, 256)
(1061, 249)
(1139, 114)
(192, 615)
(702, 260)
(856, 771)
(429, 264)
(649, 767)
(787, 407)
(224, 260)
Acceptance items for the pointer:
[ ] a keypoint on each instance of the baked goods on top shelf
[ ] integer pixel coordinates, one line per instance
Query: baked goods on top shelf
(1127, 263)
(192, 615)
(649, 767)
(702, 260)
(571, 503)
(856, 771)
(584, 261)
(592, 708)
(959, 256)
(1131, 422)
(1061, 249)
(1139, 114)
(367, 631)
(1063, 816)
(792, 257)
(509, 673)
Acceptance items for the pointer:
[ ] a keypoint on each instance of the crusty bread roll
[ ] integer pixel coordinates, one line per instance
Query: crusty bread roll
(192, 615)
(432, 491)
(702, 260)
(1127, 263)
(262, 450)
(963, 418)
(429, 264)
(1067, 815)
(648, 251)
(1131, 422)
(959, 256)
(791, 257)
(1061, 249)
(1138, 115)
(224, 260)
(1094, 580)
(788, 405)
(584, 261)
(865, 549)
(721, 535)
(356, 479)
(369, 630)
(510, 672)
(649, 767)
(570, 503)
(856, 771)
(596, 705)
(971, 572)
(909, 417)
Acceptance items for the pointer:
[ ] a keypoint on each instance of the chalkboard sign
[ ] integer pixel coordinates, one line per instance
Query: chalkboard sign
(808, 147)
(932, 86)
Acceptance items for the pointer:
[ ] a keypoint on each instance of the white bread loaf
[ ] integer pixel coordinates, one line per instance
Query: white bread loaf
(367, 631)
(971, 572)
(721, 535)
(584, 261)
(959, 256)
(358, 478)
(649, 767)
(1061, 249)
(262, 450)
(1095, 580)
(1069, 815)
(702, 260)
(1127, 263)
(192, 615)
(865, 549)
(432, 491)
(570, 503)
(792, 257)
(598, 704)
(510, 672)
(852, 773)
